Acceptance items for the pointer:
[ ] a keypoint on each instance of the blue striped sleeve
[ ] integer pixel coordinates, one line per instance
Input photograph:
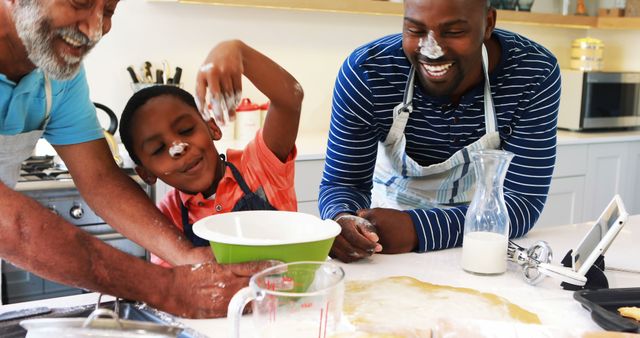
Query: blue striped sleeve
(352, 145)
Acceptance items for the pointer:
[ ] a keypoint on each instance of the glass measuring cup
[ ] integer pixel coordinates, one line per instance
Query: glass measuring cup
(301, 299)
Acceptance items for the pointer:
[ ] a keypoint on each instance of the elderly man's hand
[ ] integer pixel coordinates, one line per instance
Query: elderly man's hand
(394, 227)
(204, 290)
(357, 240)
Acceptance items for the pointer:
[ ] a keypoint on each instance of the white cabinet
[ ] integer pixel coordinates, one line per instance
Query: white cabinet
(564, 202)
(607, 175)
(633, 174)
(566, 194)
(587, 176)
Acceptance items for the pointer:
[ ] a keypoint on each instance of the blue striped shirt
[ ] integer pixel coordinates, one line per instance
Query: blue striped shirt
(526, 92)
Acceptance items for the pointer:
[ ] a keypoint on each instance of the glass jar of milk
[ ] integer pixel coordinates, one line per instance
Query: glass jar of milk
(486, 226)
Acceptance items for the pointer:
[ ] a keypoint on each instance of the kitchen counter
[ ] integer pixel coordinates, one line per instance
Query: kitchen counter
(571, 137)
(554, 306)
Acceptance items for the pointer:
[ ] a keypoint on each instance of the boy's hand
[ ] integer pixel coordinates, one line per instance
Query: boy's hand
(204, 290)
(219, 82)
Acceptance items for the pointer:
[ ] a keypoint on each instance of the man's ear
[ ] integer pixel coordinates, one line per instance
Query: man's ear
(214, 130)
(146, 175)
(490, 23)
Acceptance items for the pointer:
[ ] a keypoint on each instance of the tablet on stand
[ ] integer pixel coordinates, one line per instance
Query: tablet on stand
(588, 258)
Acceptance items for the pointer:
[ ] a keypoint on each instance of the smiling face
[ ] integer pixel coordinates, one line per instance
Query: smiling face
(458, 28)
(160, 124)
(57, 34)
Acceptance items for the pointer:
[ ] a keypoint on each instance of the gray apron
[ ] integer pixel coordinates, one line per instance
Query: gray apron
(14, 149)
(401, 183)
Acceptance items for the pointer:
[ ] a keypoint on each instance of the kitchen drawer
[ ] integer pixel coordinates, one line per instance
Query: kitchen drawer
(307, 180)
(571, 160)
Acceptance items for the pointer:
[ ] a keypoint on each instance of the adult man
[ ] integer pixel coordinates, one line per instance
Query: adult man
(421, 181)
(43, 91)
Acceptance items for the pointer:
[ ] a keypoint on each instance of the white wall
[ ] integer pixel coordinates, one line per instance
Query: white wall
(310, 45)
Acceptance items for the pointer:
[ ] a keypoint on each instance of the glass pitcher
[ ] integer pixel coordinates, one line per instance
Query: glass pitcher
(486, 226)
(300, 299)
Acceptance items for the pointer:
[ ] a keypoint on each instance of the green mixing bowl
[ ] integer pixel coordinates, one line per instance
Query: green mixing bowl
(286, 236)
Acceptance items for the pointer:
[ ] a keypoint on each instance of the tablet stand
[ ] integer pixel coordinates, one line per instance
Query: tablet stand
(596, 278)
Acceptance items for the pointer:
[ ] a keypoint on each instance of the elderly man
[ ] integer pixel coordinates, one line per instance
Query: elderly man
(43, 91)
(408, 109)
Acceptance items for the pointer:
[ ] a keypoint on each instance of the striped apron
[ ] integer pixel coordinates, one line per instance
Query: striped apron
(401, 183)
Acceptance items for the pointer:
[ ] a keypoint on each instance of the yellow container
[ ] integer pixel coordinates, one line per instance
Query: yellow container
(587, 54)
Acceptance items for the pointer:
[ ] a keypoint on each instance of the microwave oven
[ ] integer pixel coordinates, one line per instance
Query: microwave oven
(599, 100)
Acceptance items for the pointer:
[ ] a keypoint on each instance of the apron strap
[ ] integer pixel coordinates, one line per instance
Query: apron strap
(402, 111)
(236, 174)
(48, 101)
(489, 110)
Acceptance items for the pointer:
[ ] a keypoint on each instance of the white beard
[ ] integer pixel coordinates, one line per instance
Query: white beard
(37, 37)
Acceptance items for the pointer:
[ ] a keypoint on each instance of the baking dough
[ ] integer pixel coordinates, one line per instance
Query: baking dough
(405, 306)
(632, 312)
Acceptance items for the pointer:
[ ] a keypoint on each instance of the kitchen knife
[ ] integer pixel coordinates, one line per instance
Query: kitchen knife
(133, 75)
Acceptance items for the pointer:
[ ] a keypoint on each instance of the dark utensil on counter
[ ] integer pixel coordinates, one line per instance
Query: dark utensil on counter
(604, 304)
(177, 75)
(133, 75)
(159, 77)
(147, 72)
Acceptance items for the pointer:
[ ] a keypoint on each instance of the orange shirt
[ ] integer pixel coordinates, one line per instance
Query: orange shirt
(258, 166)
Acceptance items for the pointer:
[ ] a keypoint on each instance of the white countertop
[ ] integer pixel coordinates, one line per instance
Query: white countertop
(588, 137)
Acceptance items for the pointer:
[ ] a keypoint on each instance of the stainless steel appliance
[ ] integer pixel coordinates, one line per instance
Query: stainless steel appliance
(599, 100)
(52, 187)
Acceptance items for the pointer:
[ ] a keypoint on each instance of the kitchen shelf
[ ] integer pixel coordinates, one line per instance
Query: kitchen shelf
(376, 7)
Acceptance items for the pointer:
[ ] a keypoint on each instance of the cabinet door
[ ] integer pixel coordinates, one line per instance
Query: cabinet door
(571, 160)
(564, 202)
(307, 180)
(607, 175)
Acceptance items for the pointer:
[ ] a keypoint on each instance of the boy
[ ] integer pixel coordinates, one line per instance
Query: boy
(168, 139)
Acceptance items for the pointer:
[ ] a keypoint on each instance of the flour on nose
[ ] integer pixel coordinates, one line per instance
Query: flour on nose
(177, 148)
(430, 49)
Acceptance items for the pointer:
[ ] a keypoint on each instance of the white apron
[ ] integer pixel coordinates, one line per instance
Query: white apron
(14, 149)
(401, 183)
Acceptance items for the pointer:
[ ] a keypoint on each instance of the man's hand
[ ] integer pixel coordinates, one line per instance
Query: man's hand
(394, 227)
(204, 290)
(357, 240)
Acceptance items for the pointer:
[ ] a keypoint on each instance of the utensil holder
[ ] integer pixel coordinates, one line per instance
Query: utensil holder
(141, 85)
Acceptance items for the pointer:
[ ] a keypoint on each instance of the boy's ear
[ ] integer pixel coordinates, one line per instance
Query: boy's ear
(214, 130)
(146, 175)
